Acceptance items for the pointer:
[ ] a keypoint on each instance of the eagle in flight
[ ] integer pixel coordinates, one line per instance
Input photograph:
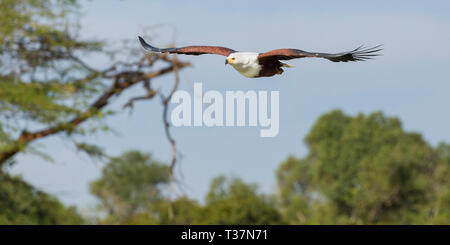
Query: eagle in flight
(266, 64)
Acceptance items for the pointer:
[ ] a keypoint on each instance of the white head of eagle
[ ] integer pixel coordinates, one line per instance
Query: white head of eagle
(245, 63)
(266, 64)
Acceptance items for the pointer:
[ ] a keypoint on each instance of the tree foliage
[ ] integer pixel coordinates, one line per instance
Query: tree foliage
(40, 71)
(130, 186)
(184, 210)
(232, 201)
(364, 170)
(21, 204)
(133, 189)
(46, 87)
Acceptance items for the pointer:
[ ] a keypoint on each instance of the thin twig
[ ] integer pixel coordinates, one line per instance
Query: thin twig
(150, 94)
(165, 102)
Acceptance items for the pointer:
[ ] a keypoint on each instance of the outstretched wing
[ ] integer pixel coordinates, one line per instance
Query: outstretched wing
(189, 50)
(358, 54)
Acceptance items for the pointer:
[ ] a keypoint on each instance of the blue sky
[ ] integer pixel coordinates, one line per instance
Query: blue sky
(411, 81)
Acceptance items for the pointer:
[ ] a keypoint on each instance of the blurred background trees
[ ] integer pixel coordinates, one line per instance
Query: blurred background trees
(364, 170)
(131, 186)
(134, 189)
(21, 203)
(232, 201)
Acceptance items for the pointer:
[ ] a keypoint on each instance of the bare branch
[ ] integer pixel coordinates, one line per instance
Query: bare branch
(150, 94)
(165, 102)
(82, 63)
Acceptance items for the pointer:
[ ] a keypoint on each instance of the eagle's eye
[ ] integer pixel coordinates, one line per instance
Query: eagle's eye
(233, 58)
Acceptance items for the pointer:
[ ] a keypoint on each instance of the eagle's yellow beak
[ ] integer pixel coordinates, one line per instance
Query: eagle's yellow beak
(229, 61)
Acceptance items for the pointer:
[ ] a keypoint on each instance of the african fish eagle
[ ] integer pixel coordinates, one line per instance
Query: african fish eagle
(266, 64)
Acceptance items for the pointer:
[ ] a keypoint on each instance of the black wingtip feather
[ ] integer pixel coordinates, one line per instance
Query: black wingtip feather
(147, 46)
(362, 53)
(143, 43)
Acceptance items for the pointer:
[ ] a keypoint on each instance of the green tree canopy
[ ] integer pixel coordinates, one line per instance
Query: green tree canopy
(185, 211)
(363, 170)
(133, 190)
(22, 204)
(231, 201)
(130, 186)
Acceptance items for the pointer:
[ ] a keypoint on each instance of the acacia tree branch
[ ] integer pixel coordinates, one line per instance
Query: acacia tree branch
(82, 63)
(122, 81)
(150, 94)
